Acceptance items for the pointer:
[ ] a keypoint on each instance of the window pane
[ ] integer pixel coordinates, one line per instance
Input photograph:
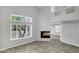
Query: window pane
(29, 31)
(28, 19)
(17, 18)
(21, 31)
(13, 31)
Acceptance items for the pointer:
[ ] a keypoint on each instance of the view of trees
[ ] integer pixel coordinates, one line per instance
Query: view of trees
(22, 30)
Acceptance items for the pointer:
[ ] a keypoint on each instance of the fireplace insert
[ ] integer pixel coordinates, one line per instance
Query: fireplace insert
(45, 34)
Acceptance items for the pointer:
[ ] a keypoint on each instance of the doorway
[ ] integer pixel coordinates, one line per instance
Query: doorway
(56, 31)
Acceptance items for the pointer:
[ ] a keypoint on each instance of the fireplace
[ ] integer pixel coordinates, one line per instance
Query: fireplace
(45, 34)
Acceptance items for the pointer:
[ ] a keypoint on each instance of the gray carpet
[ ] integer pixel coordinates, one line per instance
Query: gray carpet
(53, 46)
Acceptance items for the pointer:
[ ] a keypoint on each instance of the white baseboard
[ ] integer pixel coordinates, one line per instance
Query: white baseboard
(70, 43)
(44, 39)
(15, 46)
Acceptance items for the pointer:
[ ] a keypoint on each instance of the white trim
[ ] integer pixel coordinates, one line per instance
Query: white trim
(17, 45)
(70, 43)
(61, 33)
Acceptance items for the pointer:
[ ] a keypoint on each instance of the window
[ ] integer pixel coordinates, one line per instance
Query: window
(70, 10)
(52, 9)
(20, 27)
(57, 28)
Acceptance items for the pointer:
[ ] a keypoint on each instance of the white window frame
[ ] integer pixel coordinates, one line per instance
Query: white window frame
(27, 23)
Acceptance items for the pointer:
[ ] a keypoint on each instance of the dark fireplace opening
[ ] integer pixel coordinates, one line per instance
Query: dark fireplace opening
(45, 34)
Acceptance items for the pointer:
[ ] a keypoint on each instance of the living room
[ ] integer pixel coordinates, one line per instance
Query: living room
(39, 29)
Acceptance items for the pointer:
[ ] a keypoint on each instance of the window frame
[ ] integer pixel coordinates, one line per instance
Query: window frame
(20, 23)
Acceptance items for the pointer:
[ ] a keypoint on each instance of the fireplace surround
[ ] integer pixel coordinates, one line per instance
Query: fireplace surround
(45, 34)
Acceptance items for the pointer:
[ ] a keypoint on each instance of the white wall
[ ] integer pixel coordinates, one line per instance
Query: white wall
(0, 26)
(70, 32)
(5, 12)
(44, 19)
(52, 28)
(70, 25)
(60, 7)
(64, 16)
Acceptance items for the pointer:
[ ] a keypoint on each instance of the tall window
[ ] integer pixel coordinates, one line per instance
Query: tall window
(20, 27)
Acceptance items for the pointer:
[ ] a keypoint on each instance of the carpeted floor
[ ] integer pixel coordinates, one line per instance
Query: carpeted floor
(53, 46)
